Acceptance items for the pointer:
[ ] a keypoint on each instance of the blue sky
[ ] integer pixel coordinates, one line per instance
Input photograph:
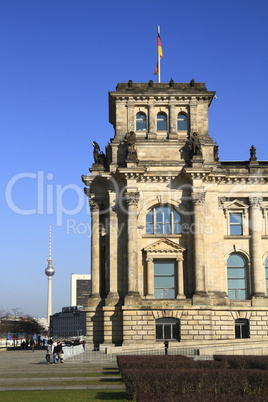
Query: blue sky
(59, 59)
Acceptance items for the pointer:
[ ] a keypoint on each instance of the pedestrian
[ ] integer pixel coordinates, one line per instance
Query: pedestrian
(166, 346)
(32, 344)
(60, 352)
(49, 351)
(55, 353)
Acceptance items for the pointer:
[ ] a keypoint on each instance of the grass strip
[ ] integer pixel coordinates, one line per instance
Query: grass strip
(64, 395)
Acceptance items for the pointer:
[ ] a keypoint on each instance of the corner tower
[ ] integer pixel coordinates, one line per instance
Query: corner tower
(161, 211)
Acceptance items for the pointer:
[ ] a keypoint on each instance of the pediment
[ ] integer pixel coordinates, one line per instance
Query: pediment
(236, 204)
(164, 245)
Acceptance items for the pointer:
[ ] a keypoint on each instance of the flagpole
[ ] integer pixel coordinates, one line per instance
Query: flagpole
(158, 57)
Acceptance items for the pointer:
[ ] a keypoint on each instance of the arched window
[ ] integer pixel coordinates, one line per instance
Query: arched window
(241, 328)
(140, 121)
(266, 275)
(237, 277)
(182, 122)
(161, 121)
(163, 220)
(167, 328)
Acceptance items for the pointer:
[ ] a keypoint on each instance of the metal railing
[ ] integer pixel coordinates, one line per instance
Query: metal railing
(200, 353)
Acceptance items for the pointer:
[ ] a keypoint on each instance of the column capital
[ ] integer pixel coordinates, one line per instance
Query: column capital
(149, 259)
(198, 198)
(94, 205)
(132, 198)
(255, 202)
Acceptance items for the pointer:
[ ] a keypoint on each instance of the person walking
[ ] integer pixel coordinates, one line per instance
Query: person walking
(166, 346)
(49, 352)
(54, 352)
(59, 350)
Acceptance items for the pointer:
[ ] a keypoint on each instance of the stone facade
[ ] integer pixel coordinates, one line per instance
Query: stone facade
(172, 224)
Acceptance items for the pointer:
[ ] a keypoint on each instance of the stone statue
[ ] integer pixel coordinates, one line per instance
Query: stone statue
(99, 157)
(253, 157)
(195, 145)
(131, 146)
(216, 153)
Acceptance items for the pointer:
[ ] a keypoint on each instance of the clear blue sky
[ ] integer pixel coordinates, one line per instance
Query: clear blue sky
(59, 59)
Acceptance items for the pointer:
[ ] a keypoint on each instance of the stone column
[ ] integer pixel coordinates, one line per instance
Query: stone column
(198, 199)
(95, 252)
(180, 284)
(172, 121)
(131, 118)
(113, 296)
(193, 116)
(151, 122)
(150, 278)
(133, 296)
(258, 273)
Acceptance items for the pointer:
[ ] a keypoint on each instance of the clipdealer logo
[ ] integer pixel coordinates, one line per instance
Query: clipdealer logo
(48, 198)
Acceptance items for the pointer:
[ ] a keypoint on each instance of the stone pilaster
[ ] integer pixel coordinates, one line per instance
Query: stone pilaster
(151, 122)
(113, 296)
(150, 278)
(180, 284)
(172, 121)
(258, 274)
(133, 296)
(198, 200)
(95, 253)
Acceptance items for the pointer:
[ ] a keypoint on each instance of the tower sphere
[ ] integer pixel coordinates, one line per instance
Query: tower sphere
(49, 271)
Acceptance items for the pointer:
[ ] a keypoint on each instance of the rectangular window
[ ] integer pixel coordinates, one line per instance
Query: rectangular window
(164, 279)
(236, 227)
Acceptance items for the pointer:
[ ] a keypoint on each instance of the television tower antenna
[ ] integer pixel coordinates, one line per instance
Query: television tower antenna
(49, 271)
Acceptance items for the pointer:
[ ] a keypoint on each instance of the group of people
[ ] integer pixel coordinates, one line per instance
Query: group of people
(54, 352)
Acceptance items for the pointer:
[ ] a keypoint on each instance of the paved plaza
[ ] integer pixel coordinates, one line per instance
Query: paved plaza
(27, 370)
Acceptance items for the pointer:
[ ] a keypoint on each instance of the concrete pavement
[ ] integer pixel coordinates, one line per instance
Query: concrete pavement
(27, 370)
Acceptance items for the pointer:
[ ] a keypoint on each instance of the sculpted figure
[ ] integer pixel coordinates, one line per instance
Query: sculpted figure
(195, 145)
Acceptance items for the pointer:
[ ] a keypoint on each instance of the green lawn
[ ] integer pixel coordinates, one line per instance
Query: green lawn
(63, 395)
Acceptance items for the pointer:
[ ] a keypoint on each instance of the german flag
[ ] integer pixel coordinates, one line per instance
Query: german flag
(159, 51)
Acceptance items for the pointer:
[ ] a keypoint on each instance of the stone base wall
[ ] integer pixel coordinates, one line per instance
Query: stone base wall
(132, 325)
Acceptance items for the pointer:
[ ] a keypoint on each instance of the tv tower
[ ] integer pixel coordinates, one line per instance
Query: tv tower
(49, 271)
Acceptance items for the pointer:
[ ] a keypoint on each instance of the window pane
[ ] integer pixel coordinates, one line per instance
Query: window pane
(237, 277)
(167, 331)
(167, 228)
(236, 272)
(164, 267)
(182, 122)
(163, 282)
(140, 122)
(235, 230)
(236, 283)
(235, 260)
(150, 216)
(241, 294)
(161, 122)
(149, 228)
(169, 294)
(236, 218)
(166, 212)
(159, 331)
(235, 224)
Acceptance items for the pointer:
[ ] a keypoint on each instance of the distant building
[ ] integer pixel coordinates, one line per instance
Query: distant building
(71, 322)
(80, 289)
